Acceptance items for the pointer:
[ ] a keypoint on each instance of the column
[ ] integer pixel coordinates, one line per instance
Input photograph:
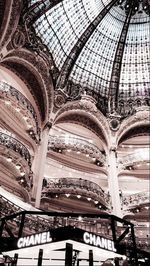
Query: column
(38, 165)
(113, 183)
(68, 254)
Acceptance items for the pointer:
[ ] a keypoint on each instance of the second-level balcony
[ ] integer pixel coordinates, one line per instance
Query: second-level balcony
(76, 187)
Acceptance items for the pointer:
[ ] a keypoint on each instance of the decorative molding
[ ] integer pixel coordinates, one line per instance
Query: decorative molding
(18, 39)
(13, 13)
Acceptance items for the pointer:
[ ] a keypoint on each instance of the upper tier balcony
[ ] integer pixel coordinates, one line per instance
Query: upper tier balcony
(78, 145)
(11, 97)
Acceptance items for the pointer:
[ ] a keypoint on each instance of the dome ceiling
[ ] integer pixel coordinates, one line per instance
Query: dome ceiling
(102, 45)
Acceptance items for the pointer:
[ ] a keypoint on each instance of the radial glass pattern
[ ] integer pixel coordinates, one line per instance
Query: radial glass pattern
(105, 43)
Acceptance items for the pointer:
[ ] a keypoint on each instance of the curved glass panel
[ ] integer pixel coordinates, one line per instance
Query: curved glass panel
(61, 27)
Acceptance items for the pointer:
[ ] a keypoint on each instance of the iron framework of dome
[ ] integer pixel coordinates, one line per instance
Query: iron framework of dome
(100, 47)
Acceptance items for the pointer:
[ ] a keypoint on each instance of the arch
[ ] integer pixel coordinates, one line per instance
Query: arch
(34, 72)
(136, 130)
(139, 120)
(81, 117)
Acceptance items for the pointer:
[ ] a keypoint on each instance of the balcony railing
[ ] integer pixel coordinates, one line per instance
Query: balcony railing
(76, 144)
(15, 145)
(22, 100)
(76, 186)
(33, 224)
(135, 199)
(136, 157)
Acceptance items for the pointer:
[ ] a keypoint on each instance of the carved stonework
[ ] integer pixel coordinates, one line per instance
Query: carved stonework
(59, 100)
(18, 39)
(34, 44)
(114, 124)
(13, 20)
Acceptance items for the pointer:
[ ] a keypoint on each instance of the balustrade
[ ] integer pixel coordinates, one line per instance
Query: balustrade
(135, 199)
(74, 186)
(22, 100)
(135, 158)
(76, 144)
(15, 145)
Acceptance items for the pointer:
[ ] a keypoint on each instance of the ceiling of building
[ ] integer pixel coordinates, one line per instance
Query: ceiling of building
(101, 45)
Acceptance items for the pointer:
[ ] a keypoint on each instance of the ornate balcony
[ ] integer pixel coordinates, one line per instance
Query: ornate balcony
(18, 160)
(15, 145)
(135, 200)
(78, 145)
(135, 158)
(8, 92)
(75, 187)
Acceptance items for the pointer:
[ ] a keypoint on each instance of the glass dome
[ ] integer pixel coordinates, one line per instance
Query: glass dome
(102, 45)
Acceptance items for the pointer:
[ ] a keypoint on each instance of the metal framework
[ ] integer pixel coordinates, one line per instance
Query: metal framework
(117, 238)
(76, 50)
(116, 70)
(38, 9)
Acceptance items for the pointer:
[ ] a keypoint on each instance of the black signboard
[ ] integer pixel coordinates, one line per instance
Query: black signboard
(55, 235)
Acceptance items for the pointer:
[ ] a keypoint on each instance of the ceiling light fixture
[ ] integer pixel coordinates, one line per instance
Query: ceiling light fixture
(18, 166)
(67, 195)
(78, 196)
(7, 102)
(9, 159)
(22, 173)
(80, 218)
(17, 109)
(88, 199)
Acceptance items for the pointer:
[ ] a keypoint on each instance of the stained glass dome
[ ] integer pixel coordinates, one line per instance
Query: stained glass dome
(102, 45)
